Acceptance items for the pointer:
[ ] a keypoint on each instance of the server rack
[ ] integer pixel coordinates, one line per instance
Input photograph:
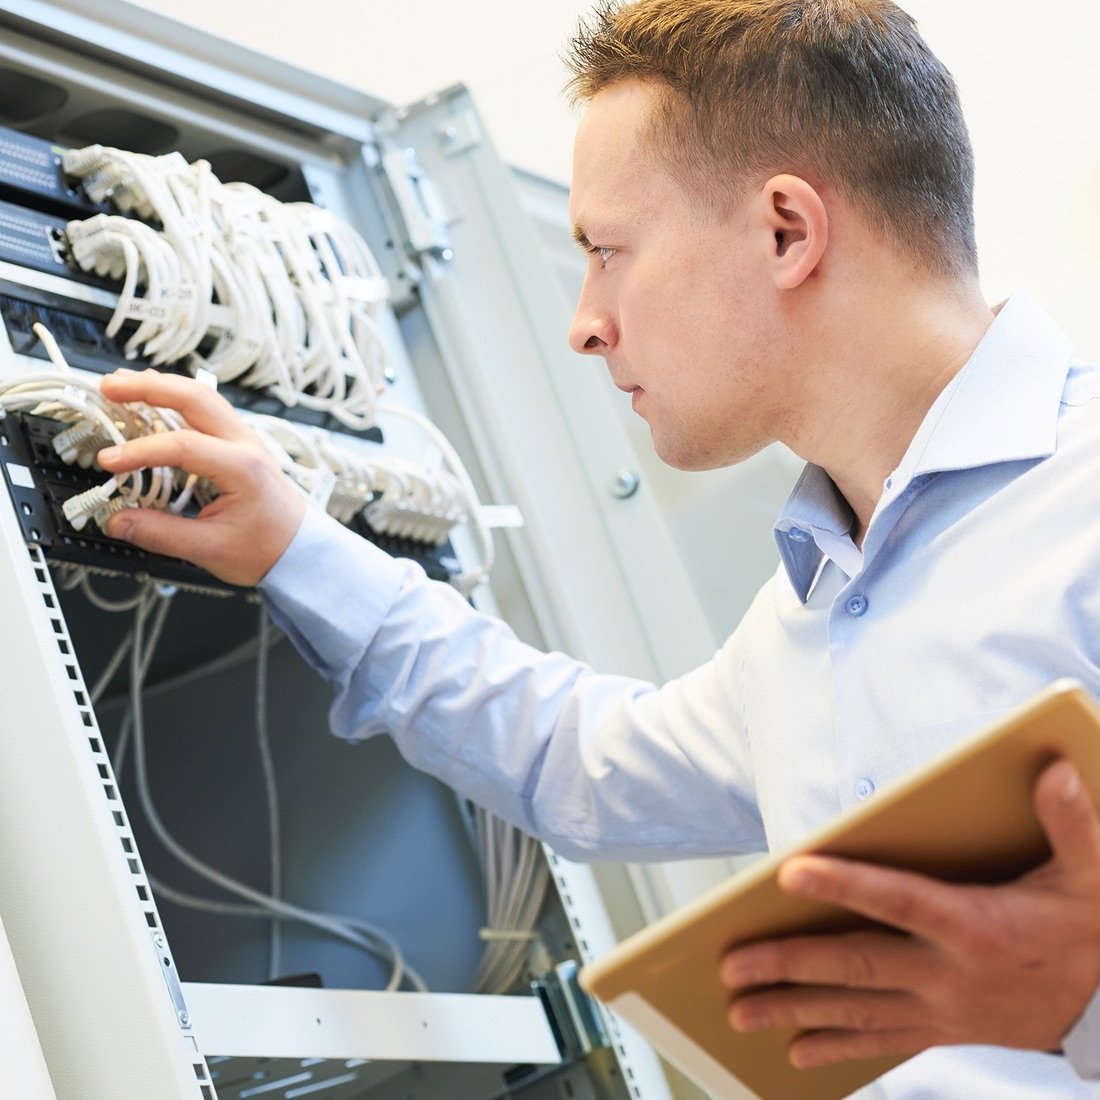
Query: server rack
(129, 999)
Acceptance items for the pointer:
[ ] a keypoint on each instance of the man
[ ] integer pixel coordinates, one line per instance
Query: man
(776, 201)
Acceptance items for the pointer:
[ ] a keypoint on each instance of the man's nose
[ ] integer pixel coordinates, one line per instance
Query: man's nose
(591, 333)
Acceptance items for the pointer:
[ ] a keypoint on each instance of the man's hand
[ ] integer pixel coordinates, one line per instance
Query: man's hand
(1011, 965)
(239, 536)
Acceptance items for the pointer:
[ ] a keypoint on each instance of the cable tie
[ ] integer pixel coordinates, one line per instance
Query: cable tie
(516, 935)
(180, 292)
(324, 482)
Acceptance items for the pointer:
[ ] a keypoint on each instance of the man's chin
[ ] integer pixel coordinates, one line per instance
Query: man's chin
(686, 455)
(679, 456)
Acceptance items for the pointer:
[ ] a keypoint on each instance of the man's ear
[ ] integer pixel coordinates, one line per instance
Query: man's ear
(798, 222)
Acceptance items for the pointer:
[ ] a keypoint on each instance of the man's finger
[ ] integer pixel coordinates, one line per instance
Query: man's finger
(202, 407)
(904, 900)
(206, 541)
(158, 532)
(825, 1007)
(819, 1048)
(225, 463)
(852, 960)
(1070, 819)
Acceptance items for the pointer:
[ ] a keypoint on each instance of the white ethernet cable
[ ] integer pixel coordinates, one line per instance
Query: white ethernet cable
(290, 295)
(516, 879)
(398, 497)
(271, 790)
(361, 934)
(75, 400)
(515, 873)
(469, 504)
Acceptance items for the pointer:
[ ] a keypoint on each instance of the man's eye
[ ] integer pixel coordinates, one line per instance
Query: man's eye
(604, 254)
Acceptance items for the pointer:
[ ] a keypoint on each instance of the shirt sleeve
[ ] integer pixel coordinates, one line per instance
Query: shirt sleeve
(1082, 1045)
(599, 766)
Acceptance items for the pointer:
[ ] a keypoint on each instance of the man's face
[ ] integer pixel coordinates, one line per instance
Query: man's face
(675, 299)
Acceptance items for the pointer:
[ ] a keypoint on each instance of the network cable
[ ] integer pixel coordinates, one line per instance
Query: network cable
(397, 497)
(514, 870)
(281, 297)
(363, 935)
(516, 879)
(423, 502)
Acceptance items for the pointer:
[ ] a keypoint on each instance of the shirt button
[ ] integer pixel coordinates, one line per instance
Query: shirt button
(856, 605)
(864, 789)
(798, 534)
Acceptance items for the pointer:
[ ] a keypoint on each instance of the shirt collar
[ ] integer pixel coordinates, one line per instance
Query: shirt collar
(815, 521)
(1001, 406)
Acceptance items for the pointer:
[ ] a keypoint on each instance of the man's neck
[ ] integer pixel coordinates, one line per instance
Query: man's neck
(886, 377)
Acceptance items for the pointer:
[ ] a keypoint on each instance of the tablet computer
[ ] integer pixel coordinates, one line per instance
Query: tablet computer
(965, 816)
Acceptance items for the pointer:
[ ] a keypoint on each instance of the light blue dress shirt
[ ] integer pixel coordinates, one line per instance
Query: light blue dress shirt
(976, 585)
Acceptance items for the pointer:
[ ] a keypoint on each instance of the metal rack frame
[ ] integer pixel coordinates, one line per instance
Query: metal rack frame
(479, 308)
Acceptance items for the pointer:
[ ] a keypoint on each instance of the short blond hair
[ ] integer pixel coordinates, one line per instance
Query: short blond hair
(841, 92)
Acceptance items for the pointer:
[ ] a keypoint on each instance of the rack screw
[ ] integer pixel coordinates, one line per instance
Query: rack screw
(625, 484)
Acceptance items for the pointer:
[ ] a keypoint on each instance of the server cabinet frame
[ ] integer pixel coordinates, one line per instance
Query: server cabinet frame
(483, 318)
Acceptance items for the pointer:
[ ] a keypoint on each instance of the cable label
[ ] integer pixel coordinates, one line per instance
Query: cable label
(497, 516)
(324, 482)
(75, 397)
(141, 309)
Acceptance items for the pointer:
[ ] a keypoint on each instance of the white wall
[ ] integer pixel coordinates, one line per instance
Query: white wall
(1028, 75)
(508, 53)
(1030, 87)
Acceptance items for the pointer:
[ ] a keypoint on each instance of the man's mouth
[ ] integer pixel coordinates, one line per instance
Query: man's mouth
(635, 392)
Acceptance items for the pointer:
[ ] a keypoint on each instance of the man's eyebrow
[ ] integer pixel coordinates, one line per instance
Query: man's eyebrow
(581, 238)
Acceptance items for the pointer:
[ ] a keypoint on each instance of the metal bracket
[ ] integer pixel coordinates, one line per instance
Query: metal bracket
(574, 1017)
(419, 201)
(171, 979)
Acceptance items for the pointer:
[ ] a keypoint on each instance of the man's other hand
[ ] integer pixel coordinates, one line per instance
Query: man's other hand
(1012, 965)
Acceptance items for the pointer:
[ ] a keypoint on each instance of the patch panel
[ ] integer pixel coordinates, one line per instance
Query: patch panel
(39, 484)
(31, 174)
